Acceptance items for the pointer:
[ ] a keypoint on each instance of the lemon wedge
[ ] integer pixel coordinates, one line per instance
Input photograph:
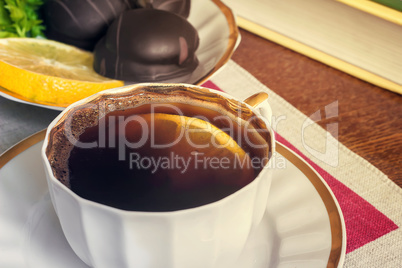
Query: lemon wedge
(212, 156)
(48, 72)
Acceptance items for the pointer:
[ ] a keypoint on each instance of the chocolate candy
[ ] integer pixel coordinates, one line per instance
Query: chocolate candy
(179, 7)
(147, 45)
(81, 22)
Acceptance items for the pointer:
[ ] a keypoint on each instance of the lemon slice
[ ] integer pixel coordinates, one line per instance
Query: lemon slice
(204, 153)
(48, 72)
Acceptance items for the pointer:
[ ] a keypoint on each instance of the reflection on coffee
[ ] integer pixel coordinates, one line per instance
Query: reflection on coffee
(170, 162)
(147, 151)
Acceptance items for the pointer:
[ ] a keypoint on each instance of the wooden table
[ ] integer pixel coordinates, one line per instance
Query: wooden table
(369, 117)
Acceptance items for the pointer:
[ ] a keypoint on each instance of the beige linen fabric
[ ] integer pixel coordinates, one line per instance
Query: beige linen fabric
(346, 166)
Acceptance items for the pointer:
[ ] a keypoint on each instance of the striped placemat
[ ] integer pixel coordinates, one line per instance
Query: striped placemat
(371, 203)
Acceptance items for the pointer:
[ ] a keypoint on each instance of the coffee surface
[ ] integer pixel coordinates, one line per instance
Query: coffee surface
(126, 170)
(84, 121)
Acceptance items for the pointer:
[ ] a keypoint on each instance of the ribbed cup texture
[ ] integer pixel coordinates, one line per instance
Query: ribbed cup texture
(208, 236)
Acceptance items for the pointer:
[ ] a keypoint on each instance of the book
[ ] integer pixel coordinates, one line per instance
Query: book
(395, 4)
(387, 9)
(347, 38)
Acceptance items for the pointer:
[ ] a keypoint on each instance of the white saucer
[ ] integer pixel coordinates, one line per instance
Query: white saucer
(303, 225)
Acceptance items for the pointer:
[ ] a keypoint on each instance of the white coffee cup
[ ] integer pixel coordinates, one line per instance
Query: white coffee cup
(211, 235)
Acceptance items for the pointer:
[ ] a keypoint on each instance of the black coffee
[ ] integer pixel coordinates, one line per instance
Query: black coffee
(147, 178)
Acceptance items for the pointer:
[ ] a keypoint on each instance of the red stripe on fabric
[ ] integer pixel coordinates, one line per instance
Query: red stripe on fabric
(211, 85)
(364, 223)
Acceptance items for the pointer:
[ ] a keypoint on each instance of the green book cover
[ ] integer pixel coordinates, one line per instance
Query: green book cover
(395, 4)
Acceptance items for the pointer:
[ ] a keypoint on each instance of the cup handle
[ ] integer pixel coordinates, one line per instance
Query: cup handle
(259, 101)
